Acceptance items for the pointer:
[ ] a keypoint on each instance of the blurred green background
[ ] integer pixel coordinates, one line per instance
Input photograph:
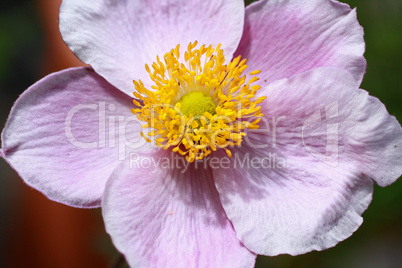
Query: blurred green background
(377, 243)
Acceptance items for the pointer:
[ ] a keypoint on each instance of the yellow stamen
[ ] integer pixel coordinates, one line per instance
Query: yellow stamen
(198, 106)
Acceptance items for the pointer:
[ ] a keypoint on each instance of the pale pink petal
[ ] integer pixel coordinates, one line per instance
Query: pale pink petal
(376, 142)
(303, 184)
(66, 133)
(160, 214)
(117, 38)
(284, 38)
(368, 137)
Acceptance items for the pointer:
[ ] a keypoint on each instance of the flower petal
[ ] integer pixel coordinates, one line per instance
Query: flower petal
(284, 38)
(62, 137)
(117, 38)
(169, 216)
(303, 182)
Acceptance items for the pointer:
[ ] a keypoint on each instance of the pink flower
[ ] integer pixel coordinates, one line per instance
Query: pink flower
(294, 178)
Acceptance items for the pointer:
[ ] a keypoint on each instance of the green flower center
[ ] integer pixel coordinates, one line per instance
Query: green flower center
(197, 103)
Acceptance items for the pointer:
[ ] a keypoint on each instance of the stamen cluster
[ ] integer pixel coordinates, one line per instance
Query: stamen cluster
(203, 70)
